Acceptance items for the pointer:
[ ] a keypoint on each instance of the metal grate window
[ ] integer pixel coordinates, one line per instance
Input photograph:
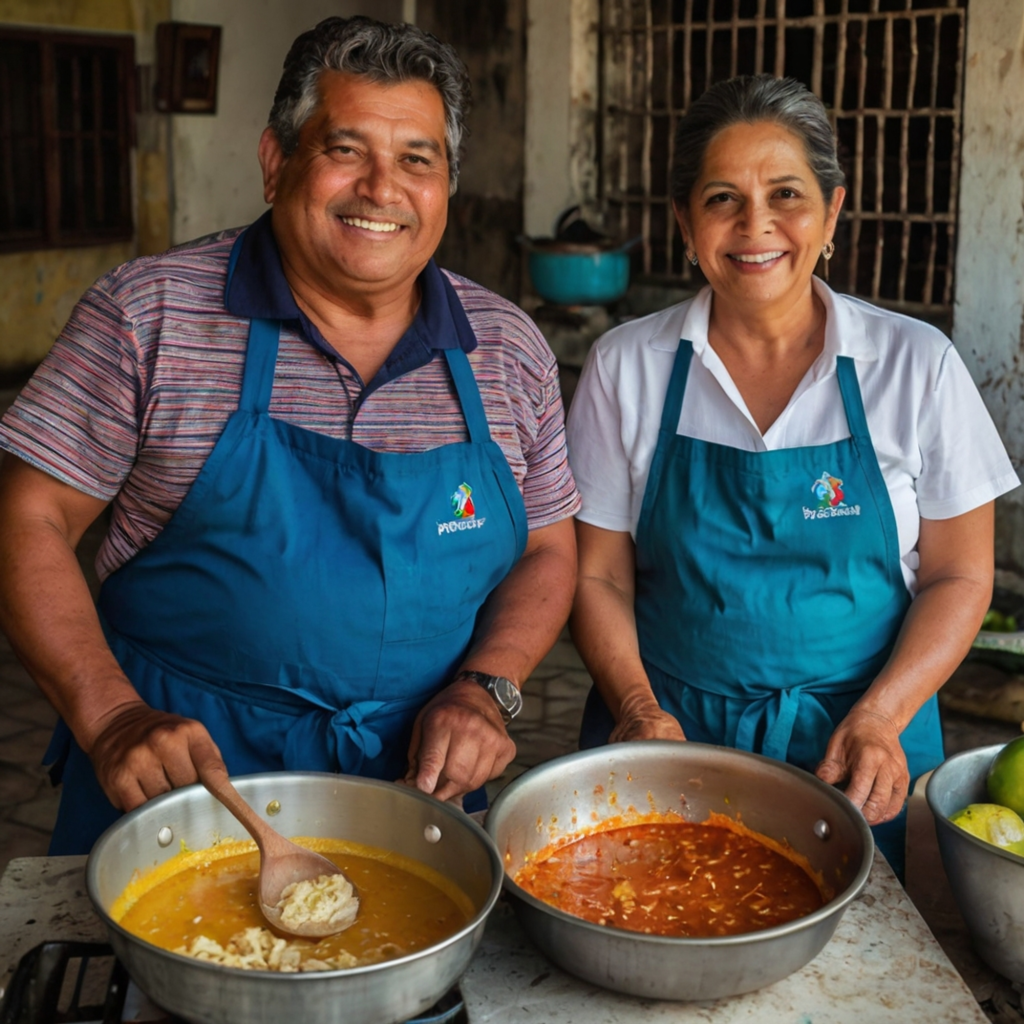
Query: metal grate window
(65, 136)
(890, 73)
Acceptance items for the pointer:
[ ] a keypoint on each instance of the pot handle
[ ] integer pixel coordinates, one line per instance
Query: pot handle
(632, 243)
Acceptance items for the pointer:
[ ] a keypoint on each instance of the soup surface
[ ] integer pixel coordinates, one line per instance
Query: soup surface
(674, 878)
(210, 896)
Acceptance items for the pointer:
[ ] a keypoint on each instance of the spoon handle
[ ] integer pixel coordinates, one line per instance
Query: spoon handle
(268, 840)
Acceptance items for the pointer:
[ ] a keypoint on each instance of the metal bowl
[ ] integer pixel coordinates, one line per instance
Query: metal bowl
(574, 792)
(987, 883)
(378, 814)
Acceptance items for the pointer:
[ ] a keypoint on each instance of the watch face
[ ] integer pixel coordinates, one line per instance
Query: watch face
(508, 694)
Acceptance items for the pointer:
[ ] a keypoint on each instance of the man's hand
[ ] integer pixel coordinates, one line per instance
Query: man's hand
(865, 749)
(641, 718)
(458, 742)
(141, 753)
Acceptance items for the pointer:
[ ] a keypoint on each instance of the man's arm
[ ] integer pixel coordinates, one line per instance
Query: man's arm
(47, 612)
(459, 740)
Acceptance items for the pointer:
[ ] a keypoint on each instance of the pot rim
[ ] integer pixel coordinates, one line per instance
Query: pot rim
(835, 906)
(308, 977)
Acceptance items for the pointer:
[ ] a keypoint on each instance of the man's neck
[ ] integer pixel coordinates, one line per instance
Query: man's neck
(362, 327)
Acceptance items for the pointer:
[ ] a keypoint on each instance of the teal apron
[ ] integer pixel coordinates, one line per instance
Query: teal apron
(769, 591)
(309, 595)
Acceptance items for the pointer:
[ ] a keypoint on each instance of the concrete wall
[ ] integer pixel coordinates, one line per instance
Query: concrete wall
(988, 319)
(561, 110)
(216, 177)
(38, 289)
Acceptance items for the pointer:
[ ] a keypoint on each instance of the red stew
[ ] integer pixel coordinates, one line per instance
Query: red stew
(676, 878)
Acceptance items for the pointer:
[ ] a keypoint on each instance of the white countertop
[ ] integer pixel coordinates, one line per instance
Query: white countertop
(882, 965)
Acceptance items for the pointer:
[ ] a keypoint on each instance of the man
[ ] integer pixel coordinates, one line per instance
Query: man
(341, 510)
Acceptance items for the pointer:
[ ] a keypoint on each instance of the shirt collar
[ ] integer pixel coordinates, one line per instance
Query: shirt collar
(845, 330)
(258, 289)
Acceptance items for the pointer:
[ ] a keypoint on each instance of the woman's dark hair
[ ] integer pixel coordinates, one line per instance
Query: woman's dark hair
(750, 99)
(377, 51)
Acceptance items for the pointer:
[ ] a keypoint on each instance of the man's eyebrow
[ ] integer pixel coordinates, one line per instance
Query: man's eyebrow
(336, 135)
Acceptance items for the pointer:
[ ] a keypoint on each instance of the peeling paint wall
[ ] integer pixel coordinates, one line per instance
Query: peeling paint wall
(988, 318)
(486, 214)
(216, 177)
(39, 288)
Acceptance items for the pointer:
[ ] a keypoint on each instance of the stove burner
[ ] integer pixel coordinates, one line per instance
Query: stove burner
(71, 982)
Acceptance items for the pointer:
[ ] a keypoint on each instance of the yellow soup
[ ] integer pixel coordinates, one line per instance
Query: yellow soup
(212, 894)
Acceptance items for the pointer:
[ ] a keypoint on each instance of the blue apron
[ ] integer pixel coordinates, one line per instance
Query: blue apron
(769, 591)
(309, 595)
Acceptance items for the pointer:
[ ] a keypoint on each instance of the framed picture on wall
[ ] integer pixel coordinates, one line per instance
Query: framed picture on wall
(186, 67)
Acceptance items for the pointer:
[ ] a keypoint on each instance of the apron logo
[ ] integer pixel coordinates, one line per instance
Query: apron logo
(462, 502)
(828, 491)
(463, 510)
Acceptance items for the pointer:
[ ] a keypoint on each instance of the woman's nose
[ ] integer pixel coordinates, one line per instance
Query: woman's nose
(755, 218)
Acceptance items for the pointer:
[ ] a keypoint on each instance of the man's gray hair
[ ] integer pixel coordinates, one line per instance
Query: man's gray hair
(377, 51)
(750, 99)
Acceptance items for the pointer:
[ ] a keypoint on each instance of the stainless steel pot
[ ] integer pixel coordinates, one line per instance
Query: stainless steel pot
(574, 792)
(987, 883)
(312, 804)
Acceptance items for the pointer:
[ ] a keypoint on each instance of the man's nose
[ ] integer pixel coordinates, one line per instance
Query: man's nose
(378, 182)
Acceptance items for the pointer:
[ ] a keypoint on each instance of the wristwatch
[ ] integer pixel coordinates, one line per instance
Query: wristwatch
(505, 693)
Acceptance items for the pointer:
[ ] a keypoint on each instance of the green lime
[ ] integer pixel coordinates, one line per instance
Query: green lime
(992, 823)
(1005, 780)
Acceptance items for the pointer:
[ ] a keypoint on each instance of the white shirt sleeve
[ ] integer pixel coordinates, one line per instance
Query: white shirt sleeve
(963, 461)
(597, 451)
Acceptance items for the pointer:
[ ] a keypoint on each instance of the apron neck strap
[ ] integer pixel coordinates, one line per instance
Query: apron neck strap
(260, 351)
(676, 387)
(853, 404)
(458, 366)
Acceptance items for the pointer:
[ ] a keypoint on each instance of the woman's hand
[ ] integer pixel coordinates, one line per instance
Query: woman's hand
(643, 719)
(865, 750)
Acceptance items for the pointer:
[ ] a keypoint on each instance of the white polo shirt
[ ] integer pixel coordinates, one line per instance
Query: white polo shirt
(937, 447)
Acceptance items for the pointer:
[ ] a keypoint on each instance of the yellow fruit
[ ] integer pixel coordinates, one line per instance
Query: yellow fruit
(1005, 780)
(994, 824)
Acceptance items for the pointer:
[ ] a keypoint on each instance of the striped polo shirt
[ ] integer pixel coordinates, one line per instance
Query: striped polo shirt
(135, 392)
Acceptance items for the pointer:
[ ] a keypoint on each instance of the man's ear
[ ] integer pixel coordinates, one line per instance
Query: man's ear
(272, 159)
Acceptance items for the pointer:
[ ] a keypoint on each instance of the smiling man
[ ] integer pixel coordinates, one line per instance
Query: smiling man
(340, 534)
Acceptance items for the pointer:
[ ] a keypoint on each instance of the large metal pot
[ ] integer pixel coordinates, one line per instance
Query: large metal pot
(987, 883)
(575, 792)
(311, 804)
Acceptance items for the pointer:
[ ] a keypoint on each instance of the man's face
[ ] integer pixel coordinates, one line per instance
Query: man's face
(360, 206)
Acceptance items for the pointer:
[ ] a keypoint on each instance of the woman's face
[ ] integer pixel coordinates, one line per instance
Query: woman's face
(756, 217)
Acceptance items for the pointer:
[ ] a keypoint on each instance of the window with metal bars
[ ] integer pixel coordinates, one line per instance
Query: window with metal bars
(890, 73)
(65, 138)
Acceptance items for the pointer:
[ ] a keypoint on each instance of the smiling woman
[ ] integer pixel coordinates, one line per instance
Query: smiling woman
(781, 547)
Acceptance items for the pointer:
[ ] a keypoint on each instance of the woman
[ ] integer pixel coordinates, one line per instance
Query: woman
(786, 540)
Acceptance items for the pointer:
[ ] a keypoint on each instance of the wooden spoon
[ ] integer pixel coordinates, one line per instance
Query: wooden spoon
(282, 862)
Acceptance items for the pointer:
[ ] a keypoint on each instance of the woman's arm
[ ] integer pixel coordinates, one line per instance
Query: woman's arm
(603, 628)
(955, 581)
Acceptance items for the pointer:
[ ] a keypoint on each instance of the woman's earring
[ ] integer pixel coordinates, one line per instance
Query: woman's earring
(692, 257)
(828, 250)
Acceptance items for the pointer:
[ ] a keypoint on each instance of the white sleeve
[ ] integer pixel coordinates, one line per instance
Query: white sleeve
(963, 461)
(596, 451)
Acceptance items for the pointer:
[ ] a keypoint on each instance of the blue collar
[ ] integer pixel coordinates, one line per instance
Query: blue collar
(258, 290)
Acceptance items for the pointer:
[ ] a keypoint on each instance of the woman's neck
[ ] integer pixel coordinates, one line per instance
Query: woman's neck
(768, 355)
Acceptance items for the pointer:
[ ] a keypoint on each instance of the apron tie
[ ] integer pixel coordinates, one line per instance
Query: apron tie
(777, 712)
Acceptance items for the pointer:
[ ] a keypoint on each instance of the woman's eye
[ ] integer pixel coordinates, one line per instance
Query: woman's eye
(720, 197)
(787, 193)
